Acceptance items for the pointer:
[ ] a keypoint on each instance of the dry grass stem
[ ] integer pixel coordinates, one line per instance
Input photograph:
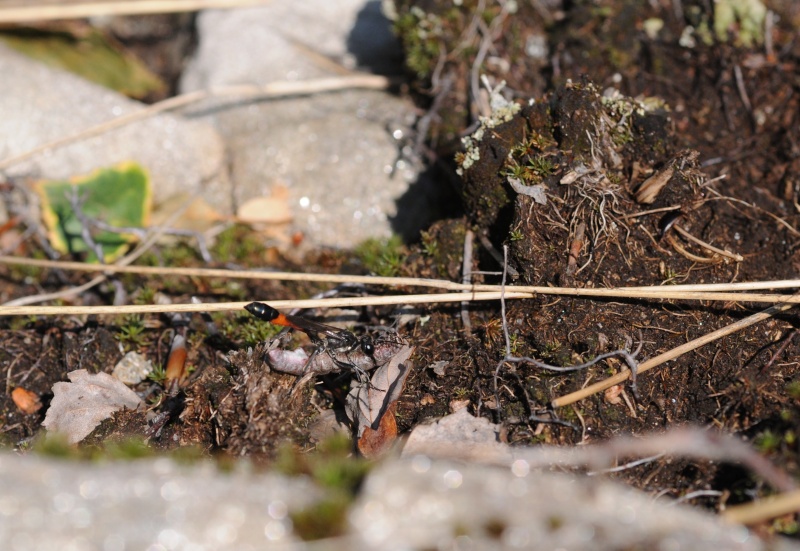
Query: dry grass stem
(38, 12)
(228, 306)
(711, 292)
(651, 211)
(764, 509)
(271, 90)
(670, 355)
(712, 248)
(672, 292)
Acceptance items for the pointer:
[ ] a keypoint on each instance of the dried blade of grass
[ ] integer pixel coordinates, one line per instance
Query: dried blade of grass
(710, 291)
(129, 258)
(764, 509)
(271, 90)
(228, 306)
(39, 12)
(650, 188)
(670, 355)
(709, 246)
(510, 293)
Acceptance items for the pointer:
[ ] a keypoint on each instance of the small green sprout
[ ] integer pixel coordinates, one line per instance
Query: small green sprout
(132, 331)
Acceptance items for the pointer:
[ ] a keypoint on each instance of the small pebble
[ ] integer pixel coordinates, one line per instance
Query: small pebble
(133, 368)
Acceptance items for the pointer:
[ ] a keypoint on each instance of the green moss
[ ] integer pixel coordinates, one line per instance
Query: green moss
(333, 467)
(130, 448)
(767, 441)
(383, 257)
(159, 374)
(327, 518)
(145, 295)
(421, 35)
(245, 328)
(793, 389)
(238, 243)
(541, 166)
(18, 323)
(430, 246)
(56, 445)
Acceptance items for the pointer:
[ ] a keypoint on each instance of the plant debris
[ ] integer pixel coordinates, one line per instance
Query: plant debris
(80, 405)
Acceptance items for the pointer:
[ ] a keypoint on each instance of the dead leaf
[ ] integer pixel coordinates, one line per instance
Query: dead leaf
(456, 405)
(78, 407)
(197, 214)
(650, 188)
(373, 443)
(367, 403)
(28, 402)
(612, 394)
(267, 210)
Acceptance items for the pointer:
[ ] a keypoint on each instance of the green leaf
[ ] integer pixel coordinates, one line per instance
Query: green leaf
(89, 54)
(119, 196)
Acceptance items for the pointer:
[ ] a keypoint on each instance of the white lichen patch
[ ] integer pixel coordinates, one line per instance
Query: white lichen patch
(616, 102)
(503, 110)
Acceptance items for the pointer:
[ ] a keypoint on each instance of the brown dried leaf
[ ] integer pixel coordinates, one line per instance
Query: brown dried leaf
(373, 443)
(367, 403)
(273, 209)
(650, 188)
(78, 407)
(28, 402)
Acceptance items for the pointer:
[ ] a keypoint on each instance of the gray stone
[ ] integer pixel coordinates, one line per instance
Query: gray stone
(333, 155)
(41, 104)
(286, 40)
(416, 503)
(147, 504)
(334, 152)
(425, 504)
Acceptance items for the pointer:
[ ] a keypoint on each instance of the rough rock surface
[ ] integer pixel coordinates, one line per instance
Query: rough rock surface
(41, 104)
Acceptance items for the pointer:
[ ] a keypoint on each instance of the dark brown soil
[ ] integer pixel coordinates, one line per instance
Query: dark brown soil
(681, 118)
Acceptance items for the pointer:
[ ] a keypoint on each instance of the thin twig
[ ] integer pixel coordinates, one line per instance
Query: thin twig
(39, 12)
(679, 442)
(779, 351)
(505, 331)
(75, 200)
(753, 206)
(17, 310)
(466, 279)
(373, 280)
(271, 90)
(737, 74)
(671, 355)
(764, 509)
(722, 252)
(671, 292)
(651, 211)
(627, 355)
(131, 257)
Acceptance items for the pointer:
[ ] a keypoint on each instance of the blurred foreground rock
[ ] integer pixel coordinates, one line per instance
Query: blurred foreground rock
(414, 503)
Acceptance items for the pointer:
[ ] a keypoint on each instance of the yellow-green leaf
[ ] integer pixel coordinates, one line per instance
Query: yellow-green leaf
(88, 54)
(119, 196)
